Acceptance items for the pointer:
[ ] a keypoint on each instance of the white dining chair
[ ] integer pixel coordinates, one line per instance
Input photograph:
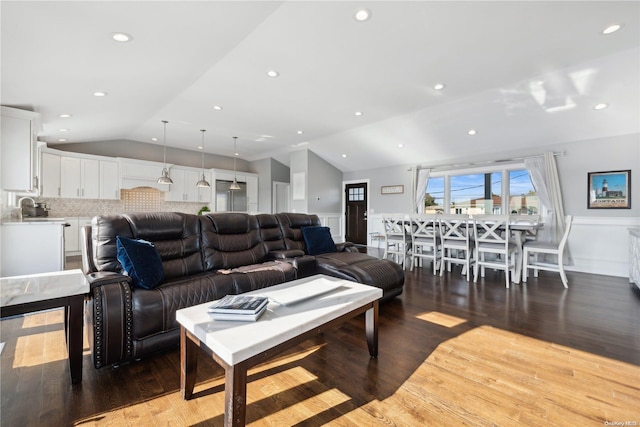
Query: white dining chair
(535, 249)
(457, 247)
(425, 240)
(493, 238)
(397, 240)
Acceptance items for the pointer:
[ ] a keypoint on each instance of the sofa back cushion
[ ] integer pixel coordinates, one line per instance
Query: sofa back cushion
(231, 240)
(270, 232)
(291, 224)
(176, 237)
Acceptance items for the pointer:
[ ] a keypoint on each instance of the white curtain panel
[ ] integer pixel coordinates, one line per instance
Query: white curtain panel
(421, 188)
(544, 174)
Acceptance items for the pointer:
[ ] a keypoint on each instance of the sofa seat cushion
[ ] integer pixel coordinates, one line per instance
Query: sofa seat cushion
(257, 276)
(358, 267)
(344, 258)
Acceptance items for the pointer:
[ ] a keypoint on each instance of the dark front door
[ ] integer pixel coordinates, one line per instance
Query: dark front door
(356, 214)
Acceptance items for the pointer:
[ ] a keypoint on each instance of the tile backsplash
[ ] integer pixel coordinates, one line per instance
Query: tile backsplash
(141, 199)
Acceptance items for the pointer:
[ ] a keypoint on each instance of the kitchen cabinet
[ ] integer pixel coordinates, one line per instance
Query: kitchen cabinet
(252, 193)
(49, 175)
(141, 173)
(184, 187)
(18, 151)
(109, 180)
(32, 247)
(79, 178)
(73, 236)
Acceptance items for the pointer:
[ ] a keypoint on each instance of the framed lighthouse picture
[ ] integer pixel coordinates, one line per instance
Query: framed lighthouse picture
(609, 190)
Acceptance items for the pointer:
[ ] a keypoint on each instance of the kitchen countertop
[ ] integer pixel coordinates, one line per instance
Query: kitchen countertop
(35, 221)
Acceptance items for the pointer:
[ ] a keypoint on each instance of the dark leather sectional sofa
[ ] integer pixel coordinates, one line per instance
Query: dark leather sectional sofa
(203, 258)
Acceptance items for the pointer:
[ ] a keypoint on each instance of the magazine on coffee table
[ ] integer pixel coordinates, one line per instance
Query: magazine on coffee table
(239, 304)
(236, 317)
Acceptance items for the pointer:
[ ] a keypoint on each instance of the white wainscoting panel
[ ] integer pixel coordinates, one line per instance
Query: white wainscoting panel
(600, 245)
(334, 222)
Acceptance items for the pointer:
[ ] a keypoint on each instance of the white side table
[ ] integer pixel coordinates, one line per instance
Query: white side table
(35, 292)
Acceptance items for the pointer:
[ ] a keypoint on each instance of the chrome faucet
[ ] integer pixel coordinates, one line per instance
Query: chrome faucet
(20, 200)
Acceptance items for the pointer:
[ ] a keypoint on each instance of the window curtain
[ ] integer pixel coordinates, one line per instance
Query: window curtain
(421, 187)
(544, 175)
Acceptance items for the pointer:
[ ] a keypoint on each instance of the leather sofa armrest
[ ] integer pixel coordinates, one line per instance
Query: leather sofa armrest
(285, 254)
(101, 278)
(305, 265)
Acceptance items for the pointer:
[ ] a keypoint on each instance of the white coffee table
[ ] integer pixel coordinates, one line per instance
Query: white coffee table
(34, 292)
(237, 346)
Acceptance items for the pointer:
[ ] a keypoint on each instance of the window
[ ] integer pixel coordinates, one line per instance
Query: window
(434, 199)
(523, 199)
(356, 194)
(476, 194)
(482, 191)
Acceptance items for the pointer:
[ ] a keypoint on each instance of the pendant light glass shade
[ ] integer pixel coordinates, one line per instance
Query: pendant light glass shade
(203, 183)
(234, 185)
(165, 178)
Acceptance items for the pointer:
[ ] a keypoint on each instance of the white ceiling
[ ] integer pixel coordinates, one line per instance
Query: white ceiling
(523, 74)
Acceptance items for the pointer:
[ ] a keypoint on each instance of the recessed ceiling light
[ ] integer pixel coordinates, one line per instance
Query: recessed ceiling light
(63, 130)
(600, 106)
(344, 156)
(122, 37)
(62, 140)
(217, 108)
(65, 116)
(154, 139)
(300, 132)
(273, 73)
(472, 132)
(438, 86)
(200, 147)
(362, 15)
(611, 29)
(358, 113)
(400, 145)
(100, 94)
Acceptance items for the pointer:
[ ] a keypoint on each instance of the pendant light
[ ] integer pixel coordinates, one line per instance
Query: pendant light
(234, 185)
(165, 178)
(203, 183)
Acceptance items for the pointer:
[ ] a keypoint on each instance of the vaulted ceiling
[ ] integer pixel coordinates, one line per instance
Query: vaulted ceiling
(520, 74)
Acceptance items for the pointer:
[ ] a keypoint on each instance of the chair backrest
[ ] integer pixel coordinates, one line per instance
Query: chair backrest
(492, 228)
(424, 226)
(394, 226)
(567, 227)
(454, 227)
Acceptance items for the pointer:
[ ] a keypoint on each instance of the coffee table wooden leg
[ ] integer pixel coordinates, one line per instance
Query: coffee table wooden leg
(188, 364)
(235, 395)
(73, 329)
(371, 328)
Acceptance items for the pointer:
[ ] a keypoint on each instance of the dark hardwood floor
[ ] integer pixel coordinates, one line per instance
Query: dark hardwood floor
(451, 353)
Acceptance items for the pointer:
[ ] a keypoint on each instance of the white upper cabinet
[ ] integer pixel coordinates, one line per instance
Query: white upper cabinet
(109, 180)
(79, 178)
(184, 187)
(18, 151)
(49, 175)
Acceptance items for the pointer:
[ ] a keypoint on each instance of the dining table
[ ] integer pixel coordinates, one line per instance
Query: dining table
(519, 228)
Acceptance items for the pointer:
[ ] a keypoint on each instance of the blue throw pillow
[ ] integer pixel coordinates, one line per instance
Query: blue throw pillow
(141, 261)
(318, 240)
